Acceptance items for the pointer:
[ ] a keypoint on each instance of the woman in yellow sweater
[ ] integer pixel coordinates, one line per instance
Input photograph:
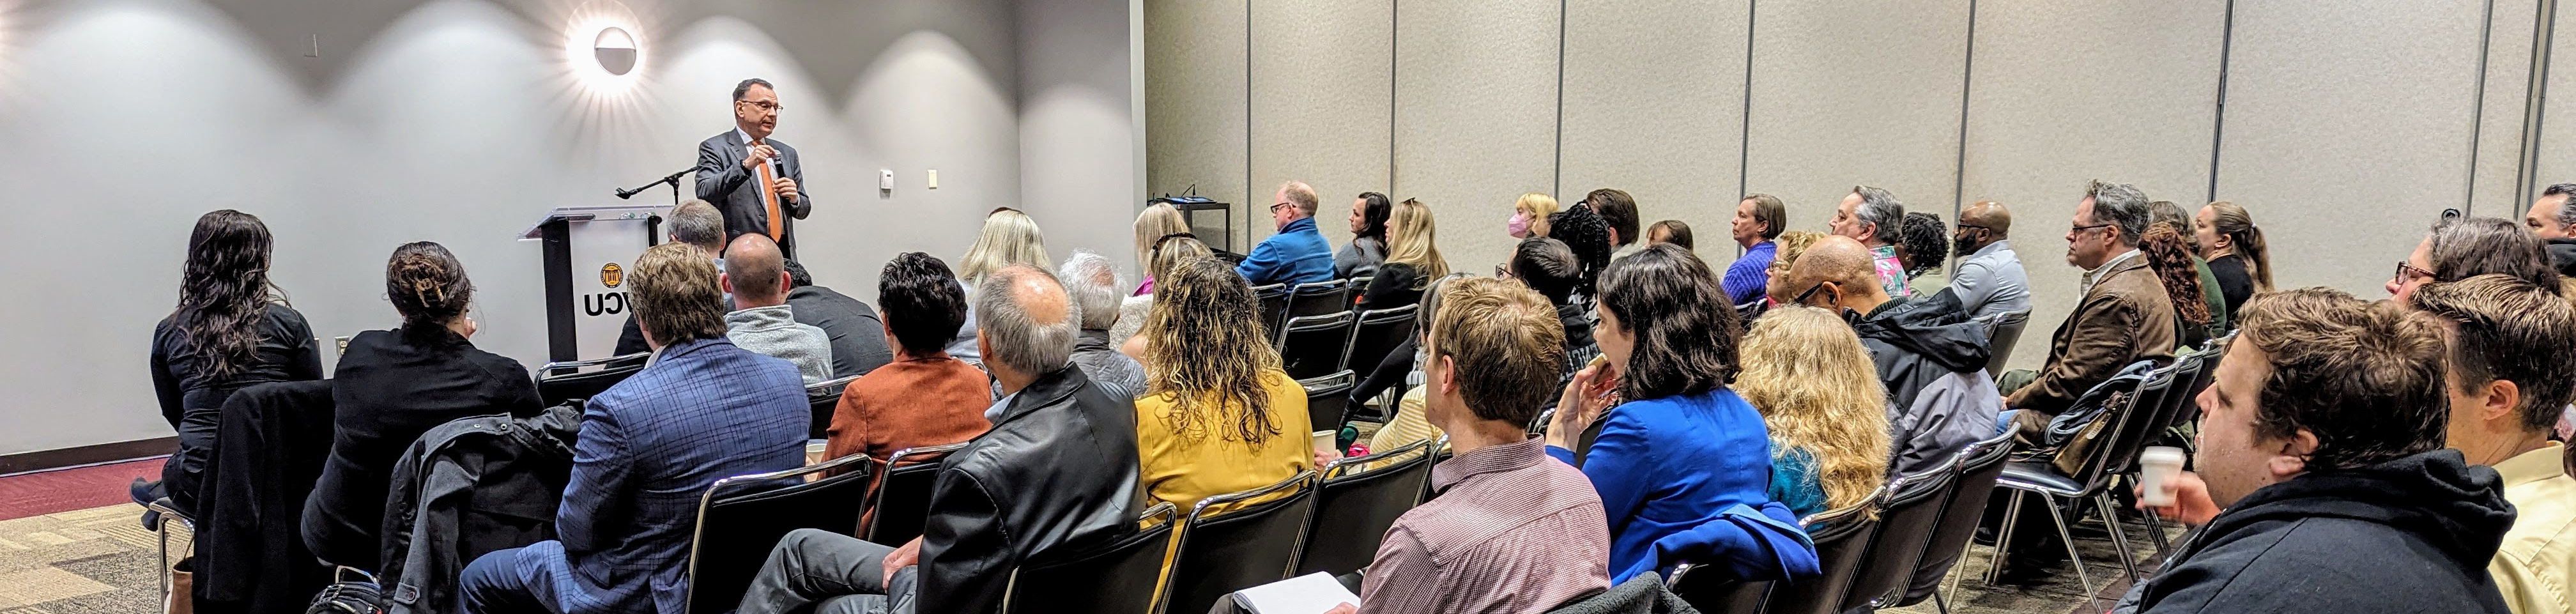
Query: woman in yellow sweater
(1217, 416)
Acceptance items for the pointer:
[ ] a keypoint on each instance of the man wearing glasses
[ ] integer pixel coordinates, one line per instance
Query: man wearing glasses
(1990, 281)
(1298, 254)
(755, 180)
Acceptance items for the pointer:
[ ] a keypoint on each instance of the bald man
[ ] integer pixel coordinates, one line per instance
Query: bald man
(761, 321)
(1298, 254)
(1931, 357)
(1990, 281)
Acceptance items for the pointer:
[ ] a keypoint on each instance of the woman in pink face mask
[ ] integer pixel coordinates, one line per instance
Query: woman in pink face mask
(1529, 215)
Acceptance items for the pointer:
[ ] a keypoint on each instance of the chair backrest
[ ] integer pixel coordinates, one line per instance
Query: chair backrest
(1319, 298)
(1842, 538)
(1274, 307)
(1909, 509)
(1117, 578)
(1312, 346)
(1978, 466)
(2001, 336)
(2198, 370)
(1376, 334)
(1242, 548)
(1358, 501)
(900, 503)
(1328, 400)
(1711, 595)
(2117, 451)
(741, 518)
(823, 398)
(558, 382)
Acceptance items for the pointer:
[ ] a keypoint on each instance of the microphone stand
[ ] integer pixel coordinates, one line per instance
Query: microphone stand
(673, 180)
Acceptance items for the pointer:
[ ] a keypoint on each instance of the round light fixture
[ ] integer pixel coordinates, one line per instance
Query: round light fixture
(615, 50)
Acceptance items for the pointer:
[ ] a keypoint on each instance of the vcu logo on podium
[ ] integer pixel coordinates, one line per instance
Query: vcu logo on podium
(607, 303)
(611, 275)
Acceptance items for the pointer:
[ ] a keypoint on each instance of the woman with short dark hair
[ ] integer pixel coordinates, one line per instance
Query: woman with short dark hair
(925, 397)
(1682, 449)
(232, 329)
(393, 385)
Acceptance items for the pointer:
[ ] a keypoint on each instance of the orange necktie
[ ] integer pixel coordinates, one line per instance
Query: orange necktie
(769, 199)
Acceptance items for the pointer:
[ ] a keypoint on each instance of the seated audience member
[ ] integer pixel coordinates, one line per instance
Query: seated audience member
(1057, 474)
(858, 335)
(1759, 220)
(1216, 415)
(1412, 259)
(697, 224)
(2322, 440)
(1682, 448)
(2234, 246)
(1008, 238)
(761, 321)
(1298, 253)
(1367, 248)
(1669, 231)
(1990, 281)
(649, 446)
(1619, 211)
(925, 397)
(393, 385)
(1926, 253)
(2462, 248)
(2197, 305)
(1793, 244)
(1158, 222)
(1166, 255)
(2512, 351)
(1585, 232)
(1406, 423)
(1875, 218)
(1811, 379)
(1512, 530)
(1093, 283)
(1530, 216)
(2124, 316)
(232, 329)
(1550, 268)
(2553, 217)
(1930, 358)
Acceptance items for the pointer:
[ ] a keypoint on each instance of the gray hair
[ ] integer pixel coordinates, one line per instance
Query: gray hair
(1013, 336)
(1884, 214)
(2566, 210)
(698, 223)
(2122, 206)
(1093, 284)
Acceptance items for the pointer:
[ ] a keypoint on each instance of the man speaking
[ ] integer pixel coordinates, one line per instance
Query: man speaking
(750, 177)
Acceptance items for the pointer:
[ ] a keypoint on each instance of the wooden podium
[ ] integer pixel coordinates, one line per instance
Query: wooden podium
(588, 251)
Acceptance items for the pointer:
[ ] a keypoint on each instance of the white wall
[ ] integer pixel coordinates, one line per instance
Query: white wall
(461, 121)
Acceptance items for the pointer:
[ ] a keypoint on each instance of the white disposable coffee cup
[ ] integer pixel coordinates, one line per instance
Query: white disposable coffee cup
(1324, 440)
(2157, 467)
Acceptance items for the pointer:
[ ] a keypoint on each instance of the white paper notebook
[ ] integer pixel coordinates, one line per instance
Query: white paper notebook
(1307, 594)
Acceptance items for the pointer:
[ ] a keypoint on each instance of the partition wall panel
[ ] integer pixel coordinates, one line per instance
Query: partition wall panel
(1322, 102)
(1654, 105)
(1855, 92)
(1475, 115)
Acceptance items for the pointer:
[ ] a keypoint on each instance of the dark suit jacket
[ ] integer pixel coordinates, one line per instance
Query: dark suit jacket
(736, 192)
(858, 336)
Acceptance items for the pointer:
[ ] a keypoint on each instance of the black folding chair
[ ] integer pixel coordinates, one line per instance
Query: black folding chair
(1328, 400)
(824, 397)
(1977, 467)
(1242, 548)
(1360, 498)
(2001, 335)
(1118, 578)
(1909, 511)
(1274, 308)
(1841, 536)
(1312, 346)
(1319, 298)
(900, 503)
(742, 518)
(558, 382)
(2117, 448)
(1710, 595)
(1377, 333)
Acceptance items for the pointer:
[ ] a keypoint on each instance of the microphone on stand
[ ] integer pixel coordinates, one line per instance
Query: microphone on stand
(673, 179)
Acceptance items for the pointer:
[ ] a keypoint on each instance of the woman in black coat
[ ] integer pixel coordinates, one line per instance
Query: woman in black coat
(232, 329)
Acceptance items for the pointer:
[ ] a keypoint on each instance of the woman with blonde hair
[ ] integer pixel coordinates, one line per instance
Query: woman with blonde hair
(1412, 259)
(1819, 395)
(1157, 221)
(1529, 215)
(2227, 236)
(1791, 245)
(1009, 238)
(1160, 258)
(1218, 415)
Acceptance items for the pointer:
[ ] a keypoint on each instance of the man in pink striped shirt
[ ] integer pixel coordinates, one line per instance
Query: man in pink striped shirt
(1513, 530)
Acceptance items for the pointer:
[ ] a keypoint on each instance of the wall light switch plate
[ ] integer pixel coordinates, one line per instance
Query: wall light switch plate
(934, 179)
(885, 179)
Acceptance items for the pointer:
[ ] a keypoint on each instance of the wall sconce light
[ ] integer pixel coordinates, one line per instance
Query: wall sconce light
(615, 50)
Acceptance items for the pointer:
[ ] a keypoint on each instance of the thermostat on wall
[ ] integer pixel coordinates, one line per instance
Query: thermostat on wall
(885, 179)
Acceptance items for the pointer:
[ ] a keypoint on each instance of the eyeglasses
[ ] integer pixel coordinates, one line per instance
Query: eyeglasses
(1968, 226)
(2407, 272)
(2081, 229)
(1275, 208)
(763, 105)
(1811, 291)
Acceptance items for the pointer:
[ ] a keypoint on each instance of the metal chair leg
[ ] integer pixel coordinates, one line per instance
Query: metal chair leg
(1958, 570)
(2119, 536)
(2003, 539)
(1939, 602)
(2076, 560)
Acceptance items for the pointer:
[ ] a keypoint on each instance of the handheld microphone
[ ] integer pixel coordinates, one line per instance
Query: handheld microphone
(779, 171)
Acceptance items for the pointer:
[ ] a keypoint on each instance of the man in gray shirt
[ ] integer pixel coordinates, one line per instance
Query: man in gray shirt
(1990, 281)
(756, 275)
(1092, 282)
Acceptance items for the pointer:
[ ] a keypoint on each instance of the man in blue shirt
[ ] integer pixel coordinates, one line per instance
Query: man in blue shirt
(1298, 254)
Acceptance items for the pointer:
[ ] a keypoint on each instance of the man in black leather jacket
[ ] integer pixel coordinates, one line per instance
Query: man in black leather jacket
(1056, 475)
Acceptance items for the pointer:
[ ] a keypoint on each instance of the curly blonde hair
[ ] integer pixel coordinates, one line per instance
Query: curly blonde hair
(1205, 353)
(1806, 371)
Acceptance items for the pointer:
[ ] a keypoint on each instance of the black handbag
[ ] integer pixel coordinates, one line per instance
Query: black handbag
(348, 596)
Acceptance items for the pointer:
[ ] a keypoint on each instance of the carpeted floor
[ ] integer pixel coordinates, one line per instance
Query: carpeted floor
(47, 492)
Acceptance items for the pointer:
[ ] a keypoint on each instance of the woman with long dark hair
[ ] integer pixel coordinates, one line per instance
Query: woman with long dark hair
(1680, 449)
(393, 385)
(1367, 248)
(232, 329)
